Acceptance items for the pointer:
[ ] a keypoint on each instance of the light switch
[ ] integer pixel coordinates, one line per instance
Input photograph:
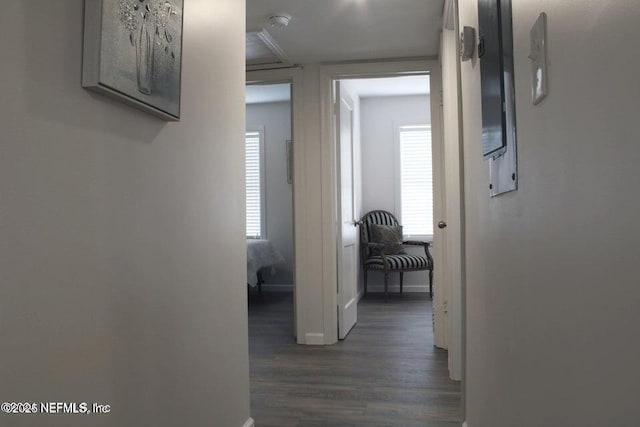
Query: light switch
(538, 57)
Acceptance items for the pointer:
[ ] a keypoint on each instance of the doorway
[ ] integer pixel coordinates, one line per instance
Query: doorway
(443, 302)
(269, 206)
(383, 162)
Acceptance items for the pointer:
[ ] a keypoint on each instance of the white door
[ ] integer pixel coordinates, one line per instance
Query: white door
(440, 312)
(347, 232)
(452, 232)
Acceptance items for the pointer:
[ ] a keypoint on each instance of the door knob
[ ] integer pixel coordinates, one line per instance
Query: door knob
(442, 224)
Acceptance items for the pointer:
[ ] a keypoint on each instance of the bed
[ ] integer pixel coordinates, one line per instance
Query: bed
(261, 254)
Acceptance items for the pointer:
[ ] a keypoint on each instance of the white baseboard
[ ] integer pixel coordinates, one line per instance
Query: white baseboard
(396, 288)
(249, 423)
(277, 288)
(314, 338)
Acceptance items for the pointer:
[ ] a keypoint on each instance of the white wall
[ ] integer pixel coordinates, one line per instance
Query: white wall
(379, 117)
(310, 284)
(275, 119)
(122, 251)
(552, 269)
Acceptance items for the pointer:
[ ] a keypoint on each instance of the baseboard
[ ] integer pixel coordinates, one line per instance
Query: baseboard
(277, 288)
(249, 423)
(396, 288)
(314, 339)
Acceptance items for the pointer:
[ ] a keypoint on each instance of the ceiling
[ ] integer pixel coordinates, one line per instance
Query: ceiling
(341, 30)
(390, 86)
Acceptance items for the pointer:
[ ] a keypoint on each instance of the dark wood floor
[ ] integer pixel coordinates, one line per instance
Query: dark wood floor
(386, 373)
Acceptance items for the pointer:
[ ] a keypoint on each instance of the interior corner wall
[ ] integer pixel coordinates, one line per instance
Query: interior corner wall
(552, 291)
(122, 254)
(275, 119)
(379, 115)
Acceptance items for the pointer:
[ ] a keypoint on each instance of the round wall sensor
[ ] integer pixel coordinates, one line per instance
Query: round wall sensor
(279, 20)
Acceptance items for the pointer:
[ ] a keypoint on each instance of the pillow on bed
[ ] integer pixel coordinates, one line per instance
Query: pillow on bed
(390, 235)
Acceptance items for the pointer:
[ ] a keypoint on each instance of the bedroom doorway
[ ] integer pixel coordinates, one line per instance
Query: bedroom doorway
(447, 299)
(383, 162)
(269, 211)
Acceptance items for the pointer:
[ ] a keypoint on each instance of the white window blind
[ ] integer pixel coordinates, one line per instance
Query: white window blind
(254, 184)
(416, 180)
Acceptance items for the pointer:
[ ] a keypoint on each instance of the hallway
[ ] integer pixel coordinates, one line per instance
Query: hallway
(386, 373)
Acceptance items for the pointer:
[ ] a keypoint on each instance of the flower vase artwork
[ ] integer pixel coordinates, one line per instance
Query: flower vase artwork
(133, 50)
(147, 22)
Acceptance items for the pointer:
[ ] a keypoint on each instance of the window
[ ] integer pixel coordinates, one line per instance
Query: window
(254, 149)
(414, 176)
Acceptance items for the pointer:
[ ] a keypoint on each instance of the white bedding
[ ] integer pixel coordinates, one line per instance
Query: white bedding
(261, 254)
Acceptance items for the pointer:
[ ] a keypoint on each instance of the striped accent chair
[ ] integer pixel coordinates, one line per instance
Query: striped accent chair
(380, 261)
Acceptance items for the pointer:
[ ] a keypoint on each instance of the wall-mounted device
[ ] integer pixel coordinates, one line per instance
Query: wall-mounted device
(467, 43)
(495, 53)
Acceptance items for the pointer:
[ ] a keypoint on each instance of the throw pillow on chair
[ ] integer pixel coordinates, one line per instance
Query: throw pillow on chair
(390, 236)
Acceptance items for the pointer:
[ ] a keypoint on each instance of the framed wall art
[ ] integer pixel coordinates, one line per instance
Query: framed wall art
(133, 52)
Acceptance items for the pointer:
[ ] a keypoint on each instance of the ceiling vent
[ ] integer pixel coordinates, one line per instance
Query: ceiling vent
(263, 52)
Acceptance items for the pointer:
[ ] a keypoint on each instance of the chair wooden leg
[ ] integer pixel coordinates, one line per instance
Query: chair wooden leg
(431, 283)
(386, 286)
(401, 280)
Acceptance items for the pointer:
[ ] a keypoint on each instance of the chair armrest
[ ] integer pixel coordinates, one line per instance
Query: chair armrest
(415, 243)
(425, 245)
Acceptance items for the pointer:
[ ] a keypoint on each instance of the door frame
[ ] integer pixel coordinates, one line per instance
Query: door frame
(344, 71)
(294, 77)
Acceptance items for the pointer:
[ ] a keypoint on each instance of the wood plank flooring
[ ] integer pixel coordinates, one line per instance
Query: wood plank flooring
(386, 373)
